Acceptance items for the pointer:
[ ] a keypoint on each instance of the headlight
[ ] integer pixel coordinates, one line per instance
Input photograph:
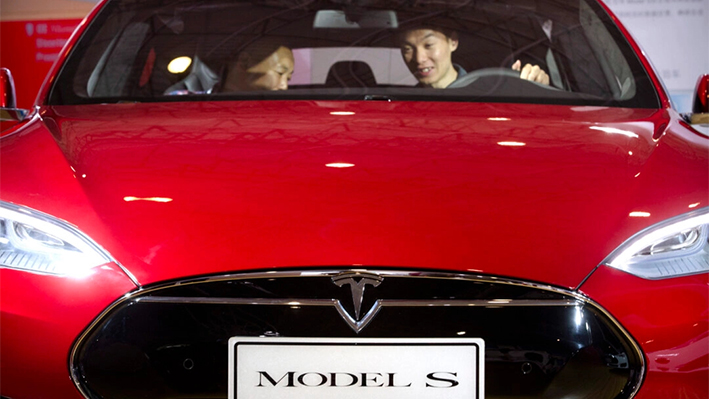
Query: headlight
(34, 241)
(675, 247)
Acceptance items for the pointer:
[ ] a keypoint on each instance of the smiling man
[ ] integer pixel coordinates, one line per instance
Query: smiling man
(428, 54)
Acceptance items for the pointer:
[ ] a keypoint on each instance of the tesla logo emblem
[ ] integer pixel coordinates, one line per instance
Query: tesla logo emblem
(357, 283)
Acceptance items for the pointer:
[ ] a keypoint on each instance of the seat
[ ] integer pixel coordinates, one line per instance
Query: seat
(350, 74)
(201, 79)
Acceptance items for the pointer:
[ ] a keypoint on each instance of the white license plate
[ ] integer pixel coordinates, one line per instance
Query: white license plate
(340, 368)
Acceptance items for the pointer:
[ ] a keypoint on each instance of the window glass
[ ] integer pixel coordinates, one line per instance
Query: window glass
(435, 50)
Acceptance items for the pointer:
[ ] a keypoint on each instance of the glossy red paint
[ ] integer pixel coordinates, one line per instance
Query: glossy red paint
(8, 127)
(262, 197)
(674, 338)
(41, 318)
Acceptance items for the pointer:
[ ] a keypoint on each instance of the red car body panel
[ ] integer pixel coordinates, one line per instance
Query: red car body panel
(657, 323)
(282, 206)
(35, 318)
(263, 197)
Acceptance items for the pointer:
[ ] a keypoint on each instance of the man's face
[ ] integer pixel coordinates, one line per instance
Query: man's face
(427, 53)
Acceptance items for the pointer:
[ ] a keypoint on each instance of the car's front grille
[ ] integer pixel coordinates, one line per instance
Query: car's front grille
(171, 341)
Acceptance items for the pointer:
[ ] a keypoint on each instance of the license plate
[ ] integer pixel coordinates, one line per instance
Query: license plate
(340, 368)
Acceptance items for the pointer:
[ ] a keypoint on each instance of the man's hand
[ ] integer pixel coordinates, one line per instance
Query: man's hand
(533, 73)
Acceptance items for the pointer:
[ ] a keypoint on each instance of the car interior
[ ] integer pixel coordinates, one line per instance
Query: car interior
(347, 50)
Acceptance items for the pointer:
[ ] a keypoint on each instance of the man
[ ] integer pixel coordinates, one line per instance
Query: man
(265, 65)
(428, 54)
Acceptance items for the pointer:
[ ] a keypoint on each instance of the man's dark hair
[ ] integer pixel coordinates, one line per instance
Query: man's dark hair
(448, 32)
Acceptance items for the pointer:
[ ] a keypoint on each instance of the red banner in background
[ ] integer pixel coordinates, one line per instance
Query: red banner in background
(28, 49)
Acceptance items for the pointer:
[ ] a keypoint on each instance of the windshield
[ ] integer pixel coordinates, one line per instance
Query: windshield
(432, 50)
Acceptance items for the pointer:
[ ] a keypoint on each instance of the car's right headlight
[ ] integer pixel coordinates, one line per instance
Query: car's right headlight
(674, 247)
(37, 242)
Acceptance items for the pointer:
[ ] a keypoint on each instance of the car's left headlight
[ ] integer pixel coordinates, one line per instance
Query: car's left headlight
(675, 247)
(37, 242)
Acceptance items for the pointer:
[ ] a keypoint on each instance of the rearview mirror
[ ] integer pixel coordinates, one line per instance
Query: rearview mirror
(699, 117)
(336, 19)
(8, 99)
(700, 109)
(9, 113)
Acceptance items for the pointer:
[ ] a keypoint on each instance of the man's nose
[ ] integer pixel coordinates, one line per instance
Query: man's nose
(420, 56)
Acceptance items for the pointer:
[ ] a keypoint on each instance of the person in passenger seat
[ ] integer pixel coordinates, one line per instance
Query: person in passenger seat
(264, 65)
(428, 51)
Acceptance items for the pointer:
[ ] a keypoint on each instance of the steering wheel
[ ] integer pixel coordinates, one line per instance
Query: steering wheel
(471, 77)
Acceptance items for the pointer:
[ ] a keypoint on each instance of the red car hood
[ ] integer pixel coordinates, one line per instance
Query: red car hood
(540, 193)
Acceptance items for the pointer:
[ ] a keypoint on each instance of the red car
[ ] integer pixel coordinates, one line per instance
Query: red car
(340, 199)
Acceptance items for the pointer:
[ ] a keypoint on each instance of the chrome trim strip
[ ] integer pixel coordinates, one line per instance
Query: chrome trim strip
(359, 325)
(382, 272)
(238, 301)
(579, 297)
(497, 303)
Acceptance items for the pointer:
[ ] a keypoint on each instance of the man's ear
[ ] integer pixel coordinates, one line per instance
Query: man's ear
(453, 42)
